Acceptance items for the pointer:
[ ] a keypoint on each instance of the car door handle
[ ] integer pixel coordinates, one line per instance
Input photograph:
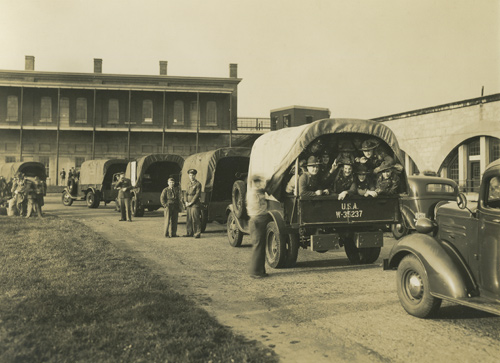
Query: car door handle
(496, 220)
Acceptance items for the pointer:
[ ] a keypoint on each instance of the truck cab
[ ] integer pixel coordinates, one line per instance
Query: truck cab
(454, 258)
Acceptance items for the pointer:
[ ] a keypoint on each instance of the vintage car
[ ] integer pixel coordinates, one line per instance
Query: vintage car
(149, 176)
(318, 223)
(30, 169)
(456, 257)
(217, 171)
(423, 194)
(95, 184)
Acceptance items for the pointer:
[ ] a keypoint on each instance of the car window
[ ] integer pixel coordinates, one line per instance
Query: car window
(439, 188)
(493, 199)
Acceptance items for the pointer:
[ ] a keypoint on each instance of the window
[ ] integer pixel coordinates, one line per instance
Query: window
(193, 112)
(147, 111)
(211, 113)
(439, 188)
(28, 148)
(286, 120)
(45, 161)
(474, 148)
(10, 159)
(79, 161)
(64, 110)
(178, 113)
(494, 149)
(46, 109)
(113, 111)
(453, 169)
(81, 110)
(12, 108)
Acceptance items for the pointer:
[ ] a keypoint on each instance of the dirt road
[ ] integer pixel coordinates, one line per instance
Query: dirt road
(323, 310)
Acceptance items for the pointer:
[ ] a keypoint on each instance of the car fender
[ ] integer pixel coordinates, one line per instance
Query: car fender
(447, 276)
(408, 216)
(277, 217)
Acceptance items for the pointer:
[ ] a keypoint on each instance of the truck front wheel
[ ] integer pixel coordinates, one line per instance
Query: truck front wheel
(281, 249)
(66, 199)
(413, 288)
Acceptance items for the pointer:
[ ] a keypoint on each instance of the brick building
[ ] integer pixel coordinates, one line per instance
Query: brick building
(62, 119)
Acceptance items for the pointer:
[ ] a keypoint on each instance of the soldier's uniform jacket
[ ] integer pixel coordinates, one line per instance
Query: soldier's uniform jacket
(21, 188)
(308, 184)
(170, 197)
(193, 192)
(387, 186)
(344, 183)
(126, 184)
(363, 186)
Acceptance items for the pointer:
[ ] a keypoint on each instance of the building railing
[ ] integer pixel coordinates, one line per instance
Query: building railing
(252, 123)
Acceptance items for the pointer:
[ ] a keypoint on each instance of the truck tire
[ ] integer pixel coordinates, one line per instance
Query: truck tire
(203, 219)
(275, 247)
(92, 199)
(351, 251)
(239, 194)
(399, 230)
(292, 247)
(368, 255)
(66, 199)
(413, 288)
(234, 235)
(137, 209)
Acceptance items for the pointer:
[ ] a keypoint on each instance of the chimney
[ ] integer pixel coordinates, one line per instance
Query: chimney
(163, 68)
(233, 70)
(97, 65)
(29, 63)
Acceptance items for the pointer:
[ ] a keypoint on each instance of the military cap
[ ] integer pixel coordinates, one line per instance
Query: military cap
(192, 171)
(369, 144)
(312, 161)
(362, 169)
(171, 179)
(386, 165)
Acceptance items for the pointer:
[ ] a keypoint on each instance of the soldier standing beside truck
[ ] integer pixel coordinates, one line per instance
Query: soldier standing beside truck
(124, 186)
(192, 202)
(257, 211)
(170, 200)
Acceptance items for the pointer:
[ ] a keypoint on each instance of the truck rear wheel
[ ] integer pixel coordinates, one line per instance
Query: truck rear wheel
(238, 198)
(234, 235)
(137, 209)
(292, 249)
(66, 199)
(413, 288)
(93, 199)
(368, 255)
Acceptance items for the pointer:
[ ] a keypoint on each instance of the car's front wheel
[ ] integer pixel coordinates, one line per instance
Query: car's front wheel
(234, 235)
(66, 199)
(413, 288)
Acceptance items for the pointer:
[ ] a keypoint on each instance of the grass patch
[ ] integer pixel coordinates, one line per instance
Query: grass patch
(68, 295)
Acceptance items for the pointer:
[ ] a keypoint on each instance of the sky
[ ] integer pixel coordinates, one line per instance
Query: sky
(359, 58)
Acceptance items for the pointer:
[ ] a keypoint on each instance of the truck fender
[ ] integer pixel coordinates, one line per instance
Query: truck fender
(447, 276)
(277, 218)
(242, 224)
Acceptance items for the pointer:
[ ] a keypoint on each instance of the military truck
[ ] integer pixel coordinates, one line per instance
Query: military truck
(317, 223)
(455, 257)
(95, 184)
(30, 169)
(149, 176)
(217, 171)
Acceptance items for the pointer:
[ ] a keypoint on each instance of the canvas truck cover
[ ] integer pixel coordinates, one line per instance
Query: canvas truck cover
(29, 168)
(93, 171)
(274, 152)
(144, 162)
(206, 163)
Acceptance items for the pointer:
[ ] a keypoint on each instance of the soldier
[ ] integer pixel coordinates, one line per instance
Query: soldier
(19, 190)
(369, 158)
(308, 181)
(31, 191)
(344, 184)
(124, 186)
(364, 184)
(63, 176)
(3, 187)
(387, 179)
(257, 211)
(170, 200)
(192, 203)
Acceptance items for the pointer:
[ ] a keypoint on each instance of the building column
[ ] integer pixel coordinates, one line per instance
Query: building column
(462, 167)
(21, 127)
(163, 131)
(408, 164)
(484, 148)
(57, 134)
